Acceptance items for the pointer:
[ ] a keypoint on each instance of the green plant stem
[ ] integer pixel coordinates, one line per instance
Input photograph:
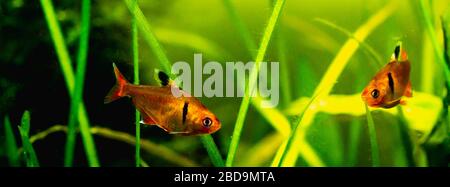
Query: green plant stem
(212, 150)
(253, 75)
(151, 40)
(373, 139)
(66, 67)
(284, 69)
(79, 82)
(293, 134)
(354, 139)
(146, 145)
(376, 56)
(149, 36)
(135, 44)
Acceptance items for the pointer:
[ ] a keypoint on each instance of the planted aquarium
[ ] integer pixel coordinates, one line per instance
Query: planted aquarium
(224, 83)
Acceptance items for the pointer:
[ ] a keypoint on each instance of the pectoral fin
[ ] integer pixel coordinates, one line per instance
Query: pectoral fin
(408, 90)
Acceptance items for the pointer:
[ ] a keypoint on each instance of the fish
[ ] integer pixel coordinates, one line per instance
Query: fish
(391, 83)
(184, 115)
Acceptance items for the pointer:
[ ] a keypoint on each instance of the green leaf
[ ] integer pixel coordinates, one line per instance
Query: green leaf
(212, 150)
(25, 123)
(66, 67)
(28, 151)
(252, 79)
(11, 145)
(373, 139)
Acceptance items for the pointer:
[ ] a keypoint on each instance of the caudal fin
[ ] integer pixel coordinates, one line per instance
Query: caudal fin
(118, 90)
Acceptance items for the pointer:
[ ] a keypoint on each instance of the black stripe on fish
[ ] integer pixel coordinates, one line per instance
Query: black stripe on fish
(185, 111)
(391, 82)
(397, 52)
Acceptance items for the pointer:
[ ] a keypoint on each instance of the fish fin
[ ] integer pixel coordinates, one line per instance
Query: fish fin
(408, 90)
(399, 54)
(397, 51)
(403, 102)
(118, 90)
(147, 120)
(163, 78)
(180, 133)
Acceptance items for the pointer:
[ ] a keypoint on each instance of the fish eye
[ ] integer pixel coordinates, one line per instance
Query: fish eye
(207, 122)
(375, 93)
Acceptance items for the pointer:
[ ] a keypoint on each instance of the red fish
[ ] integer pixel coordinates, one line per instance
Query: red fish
(158, 106)
(391, 83)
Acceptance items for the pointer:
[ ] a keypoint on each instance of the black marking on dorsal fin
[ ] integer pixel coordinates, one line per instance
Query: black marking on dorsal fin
(391, 82)
(397, 51)
(185, 111)
(162, 77)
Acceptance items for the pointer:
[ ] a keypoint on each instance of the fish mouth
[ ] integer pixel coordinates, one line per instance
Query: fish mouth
(364, 97)
(215, 128)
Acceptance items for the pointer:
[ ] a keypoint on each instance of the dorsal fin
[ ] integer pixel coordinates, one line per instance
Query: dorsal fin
(162, 78)
(399, 53)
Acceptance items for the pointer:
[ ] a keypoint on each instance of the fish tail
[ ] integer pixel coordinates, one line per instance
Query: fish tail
(118, 90)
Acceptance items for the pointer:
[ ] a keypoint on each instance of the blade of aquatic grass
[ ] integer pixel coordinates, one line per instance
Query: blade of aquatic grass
(272, 115)
(427, 67)
(135, 49)
(354, 139)
(284, 70)
(262, 151)
(375, 55)
(28, 150)
(165, 63)
(415, 154)
(146, 145)
(252, 79)
(308, 153)
(320, 40)
(340, 61)
(66, 67)
(292, 137)
(191, 40)
(425, 9)
(445, 38)
(149, 36)
(405, 137)
(373, 139)
(251, 46)
(77, 96)
(241, 27)
(333, 148)
(213, 151)
(144, 164)
(11, 145)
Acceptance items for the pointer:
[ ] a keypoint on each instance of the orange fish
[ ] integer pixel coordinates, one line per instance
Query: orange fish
(391, 83)
(158, 106)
